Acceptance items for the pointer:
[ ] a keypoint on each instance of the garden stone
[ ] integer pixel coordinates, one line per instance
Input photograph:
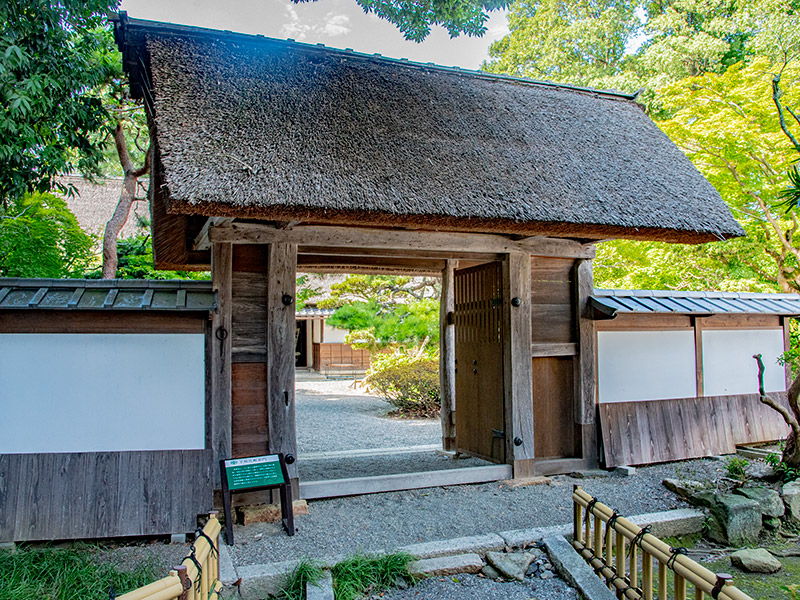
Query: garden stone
(491, 572)
(769, 501)
(736, 520)
(683, 487)
(791, 498)
(703, 498)
(513, 565)
(760, 470)
(755, 560)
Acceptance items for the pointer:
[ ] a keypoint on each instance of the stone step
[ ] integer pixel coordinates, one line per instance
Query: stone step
(446, 565)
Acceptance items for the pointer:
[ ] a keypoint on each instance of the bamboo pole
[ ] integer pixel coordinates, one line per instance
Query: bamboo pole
(620, 550)
(681, 564)
(680, 587)
(699, 594)
(167, 588)
(647, 576)
(577, 514)
(634, 576)
(609, 554)
(598, 535)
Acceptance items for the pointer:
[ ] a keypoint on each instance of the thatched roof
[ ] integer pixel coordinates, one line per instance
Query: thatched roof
(248, 126)
(94, 204)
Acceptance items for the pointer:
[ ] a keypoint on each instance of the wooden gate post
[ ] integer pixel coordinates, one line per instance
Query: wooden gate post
(280, 323)
(517, 366)
(218, 401)
(447, 358)
(585, 405)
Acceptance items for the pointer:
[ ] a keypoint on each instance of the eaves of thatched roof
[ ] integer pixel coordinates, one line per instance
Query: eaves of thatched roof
(252, 127)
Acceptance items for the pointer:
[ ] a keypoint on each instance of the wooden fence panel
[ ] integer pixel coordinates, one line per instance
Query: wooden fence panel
(102, 494)
(652, 431)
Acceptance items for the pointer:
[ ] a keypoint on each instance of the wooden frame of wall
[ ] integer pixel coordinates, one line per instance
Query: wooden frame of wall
(44, 496)
(680, 428)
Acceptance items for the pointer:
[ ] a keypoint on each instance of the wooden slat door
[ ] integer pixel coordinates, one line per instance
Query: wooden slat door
(478, 320)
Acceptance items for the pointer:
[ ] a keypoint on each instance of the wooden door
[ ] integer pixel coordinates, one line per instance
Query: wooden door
(478, 319)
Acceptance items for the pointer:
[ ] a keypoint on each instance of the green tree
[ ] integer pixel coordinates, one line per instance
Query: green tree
(49, 65)
(40, 237)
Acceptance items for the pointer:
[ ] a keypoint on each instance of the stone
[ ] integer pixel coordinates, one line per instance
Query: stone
(446, 565)
(703, 498)
(769, 501)
(590, 474)
(400, 583)
(527, 481)
(512, 565)
(177, 538)
(755, 560)
(683, 487)
(791, 498)
(735, 520)
(758, 469)
(267, 513)
(491, 572)
(322, 590)
(624, 471)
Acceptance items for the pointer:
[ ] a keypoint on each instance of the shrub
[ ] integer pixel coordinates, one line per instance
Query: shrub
(410, 382)
(737, 468)
(782, 470)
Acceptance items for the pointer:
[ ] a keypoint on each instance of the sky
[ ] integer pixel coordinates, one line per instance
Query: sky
(336, 23)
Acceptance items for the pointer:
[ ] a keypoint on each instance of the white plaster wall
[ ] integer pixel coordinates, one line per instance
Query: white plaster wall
(645, 365)
(334, 336)
(728, 364)
(101, 392)
(316, 330)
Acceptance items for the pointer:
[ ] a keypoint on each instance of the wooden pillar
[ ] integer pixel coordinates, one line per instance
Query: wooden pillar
(219, 359)
(517, 366)
(585, 362)
(280, 324)
(447, 358)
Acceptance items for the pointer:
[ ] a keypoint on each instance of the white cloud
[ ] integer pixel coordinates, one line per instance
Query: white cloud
(332, 25)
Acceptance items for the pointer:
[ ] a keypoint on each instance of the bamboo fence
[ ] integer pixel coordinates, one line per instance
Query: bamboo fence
(196, 578)
(613, 554)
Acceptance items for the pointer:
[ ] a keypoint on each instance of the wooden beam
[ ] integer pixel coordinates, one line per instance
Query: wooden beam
(553, 349)
(201, 242)
(220, 354)
(447, 357)
(585, 363)
(280, 323)
(401, 253)
(517, 366)
(378, 264)
(355, 237)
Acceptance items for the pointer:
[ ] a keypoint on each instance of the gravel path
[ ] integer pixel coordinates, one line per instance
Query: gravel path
(333, 416)
(472, 587)
(342, 526)
(366, 466)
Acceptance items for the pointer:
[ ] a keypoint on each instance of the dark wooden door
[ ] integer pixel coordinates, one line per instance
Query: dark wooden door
(478, 320)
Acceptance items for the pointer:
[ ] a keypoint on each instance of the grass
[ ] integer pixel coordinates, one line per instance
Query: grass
(362, 574)
(306, 572)
(64, 574)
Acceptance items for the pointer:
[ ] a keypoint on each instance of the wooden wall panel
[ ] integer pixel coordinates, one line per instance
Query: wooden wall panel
(103, 494)
(334, 357)
(250, 430)
(655, 431)
(553, 407)
(552, 307)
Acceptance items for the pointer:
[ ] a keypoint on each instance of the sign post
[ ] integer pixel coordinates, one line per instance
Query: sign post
(256, 473)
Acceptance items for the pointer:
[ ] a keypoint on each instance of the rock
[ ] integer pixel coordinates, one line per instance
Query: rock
(533, 570)
(590, 474)
(769, 501)
(758, 469)
(755, 560)
(703, 498)
(401, 583)
(624, 471)
(512, 565)
(735, 520)
(683, 487)
(445, 565)
(527, 481)
(491, 572)
(267, 513)
(791, 498)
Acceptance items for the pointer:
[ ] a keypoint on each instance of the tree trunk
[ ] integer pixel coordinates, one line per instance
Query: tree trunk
(791, 449)
(126, 198)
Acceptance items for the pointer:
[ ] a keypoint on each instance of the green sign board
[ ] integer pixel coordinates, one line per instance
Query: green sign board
(256, 471)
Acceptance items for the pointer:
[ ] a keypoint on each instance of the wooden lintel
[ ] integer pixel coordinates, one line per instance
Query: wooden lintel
(355, 237)
(378, 264)
(557, 349)
(201, 242)
(398, 252)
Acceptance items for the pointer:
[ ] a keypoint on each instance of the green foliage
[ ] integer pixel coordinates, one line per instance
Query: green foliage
(362, 575)
(784, 471)
(40, 237)
(736, 468)
(65, 574)
(135, 255)
(375, 327)
(306, 290)
(409, 381)
(414, 19)
(307, 572)
(51, 59)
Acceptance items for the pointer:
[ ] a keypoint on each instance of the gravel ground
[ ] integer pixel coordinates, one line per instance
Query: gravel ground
(127, 556)
(473, 587)
(334, 416)
(366, 466)
(342, 526)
